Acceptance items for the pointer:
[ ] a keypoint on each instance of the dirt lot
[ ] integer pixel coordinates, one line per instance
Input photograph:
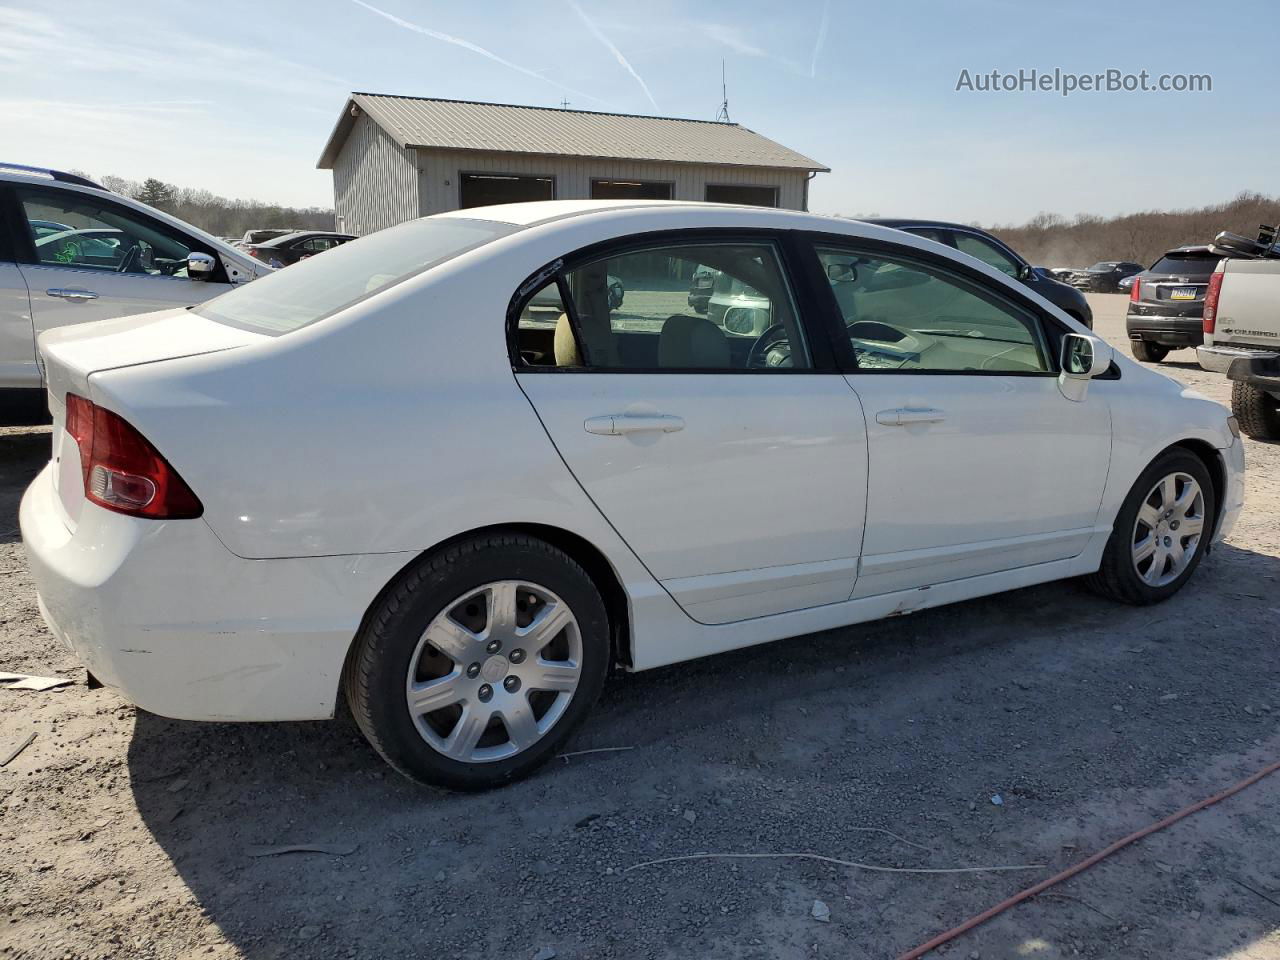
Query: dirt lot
(126, 835)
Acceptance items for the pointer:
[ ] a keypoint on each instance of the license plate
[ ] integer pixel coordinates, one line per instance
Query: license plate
(1182, 293)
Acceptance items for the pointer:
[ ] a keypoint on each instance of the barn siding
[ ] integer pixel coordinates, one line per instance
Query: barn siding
(375, 180)
(439, 169)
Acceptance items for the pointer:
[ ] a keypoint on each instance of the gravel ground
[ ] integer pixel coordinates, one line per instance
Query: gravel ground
(127, 835)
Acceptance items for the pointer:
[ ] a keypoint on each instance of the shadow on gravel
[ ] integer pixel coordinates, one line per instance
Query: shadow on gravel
(22, 456)
(1053, 698)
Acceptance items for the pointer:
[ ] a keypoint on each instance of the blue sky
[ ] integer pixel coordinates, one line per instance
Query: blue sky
(239, 97)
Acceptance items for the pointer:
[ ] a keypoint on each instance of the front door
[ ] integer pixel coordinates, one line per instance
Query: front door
(978, 462)
(92, 259)
(731, 465)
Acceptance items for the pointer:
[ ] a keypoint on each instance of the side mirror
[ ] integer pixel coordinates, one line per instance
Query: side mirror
(842, 272)
(1083, 358)
(1026, 272)
(200, 266)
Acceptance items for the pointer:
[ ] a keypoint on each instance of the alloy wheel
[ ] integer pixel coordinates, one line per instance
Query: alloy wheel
(494, 671)
(1168, 528)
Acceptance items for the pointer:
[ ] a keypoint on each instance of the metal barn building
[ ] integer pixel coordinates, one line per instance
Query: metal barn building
(397, 158)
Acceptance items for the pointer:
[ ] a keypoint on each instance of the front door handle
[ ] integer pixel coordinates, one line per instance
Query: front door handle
(69, 294)
(619, 424)
(905, 415)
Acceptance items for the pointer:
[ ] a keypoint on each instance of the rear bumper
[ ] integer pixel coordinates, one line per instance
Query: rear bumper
(1171, 331)
(1260, 372)
(1218, 359)
(182, 627)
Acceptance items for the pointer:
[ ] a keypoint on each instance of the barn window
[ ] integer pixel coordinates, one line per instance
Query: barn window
(630, 190)
(483, 189)
(736, 193)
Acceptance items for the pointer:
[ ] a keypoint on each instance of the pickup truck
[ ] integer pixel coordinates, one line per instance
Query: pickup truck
(1242, 336)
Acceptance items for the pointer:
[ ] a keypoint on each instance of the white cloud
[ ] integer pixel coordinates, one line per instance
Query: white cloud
(608, 44)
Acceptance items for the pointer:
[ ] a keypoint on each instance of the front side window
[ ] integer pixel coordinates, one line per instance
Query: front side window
(319, 286)
(987, 252)
(70, 229)
(903, 316)
(706, 307)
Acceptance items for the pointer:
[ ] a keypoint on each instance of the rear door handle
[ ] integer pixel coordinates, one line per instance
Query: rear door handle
(904, 415)
(619, 424)
(68, 294)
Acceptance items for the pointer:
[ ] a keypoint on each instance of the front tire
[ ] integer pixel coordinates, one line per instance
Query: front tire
(1257, 411)
(477, 665)
(1161, 532)
(1148, 352)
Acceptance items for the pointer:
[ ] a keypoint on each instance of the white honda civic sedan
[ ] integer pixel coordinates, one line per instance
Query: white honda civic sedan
(380, 474)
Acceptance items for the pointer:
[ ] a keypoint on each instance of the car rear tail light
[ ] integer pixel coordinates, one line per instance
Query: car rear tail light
(1135, 292)
(1211, 301)
(121, 470)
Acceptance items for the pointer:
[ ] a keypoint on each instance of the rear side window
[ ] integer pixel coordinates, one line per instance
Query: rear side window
(316, 287)
(705, 307)
(1199, 265)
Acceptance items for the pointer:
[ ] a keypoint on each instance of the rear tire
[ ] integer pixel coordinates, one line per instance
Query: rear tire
(493, 695)
(1170, 563)
(1257, 411)
(1148, 352)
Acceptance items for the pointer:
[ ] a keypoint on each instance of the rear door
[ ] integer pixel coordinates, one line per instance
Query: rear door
(108, 260)
(978, 463)
(733, 465)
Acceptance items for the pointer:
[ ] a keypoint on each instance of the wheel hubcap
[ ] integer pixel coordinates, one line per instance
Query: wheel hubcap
(473, 701)
(1167, 531)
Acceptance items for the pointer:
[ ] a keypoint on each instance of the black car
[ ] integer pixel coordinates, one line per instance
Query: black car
(1105, 275)
(292, 247)
(988, 249)
(1166, 303)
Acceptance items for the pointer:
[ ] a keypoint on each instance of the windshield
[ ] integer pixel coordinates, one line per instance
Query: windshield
(1200, 264)
(314, 288)
(1104, 265)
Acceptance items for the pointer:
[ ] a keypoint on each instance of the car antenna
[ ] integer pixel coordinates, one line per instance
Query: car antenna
(723, 115)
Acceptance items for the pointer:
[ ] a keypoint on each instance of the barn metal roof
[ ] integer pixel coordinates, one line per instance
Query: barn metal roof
(548, 131)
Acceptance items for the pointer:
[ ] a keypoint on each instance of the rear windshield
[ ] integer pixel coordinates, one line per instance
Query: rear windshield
(1105, 265)
(317, 287)
(1200, 264)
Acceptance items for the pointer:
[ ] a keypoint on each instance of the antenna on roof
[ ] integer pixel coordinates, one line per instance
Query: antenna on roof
(564, 104)
(723, 115)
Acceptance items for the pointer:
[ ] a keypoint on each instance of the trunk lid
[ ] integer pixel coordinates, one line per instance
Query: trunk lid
(71, 354)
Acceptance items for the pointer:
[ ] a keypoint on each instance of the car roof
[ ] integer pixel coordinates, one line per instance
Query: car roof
(902, 223)
(539, 213)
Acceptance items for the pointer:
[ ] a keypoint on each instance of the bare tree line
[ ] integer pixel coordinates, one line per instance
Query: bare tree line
(1052, 240)
(218, 215)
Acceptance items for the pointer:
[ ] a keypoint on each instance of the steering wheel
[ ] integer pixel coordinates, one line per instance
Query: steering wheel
(771, 349)
(131, 261)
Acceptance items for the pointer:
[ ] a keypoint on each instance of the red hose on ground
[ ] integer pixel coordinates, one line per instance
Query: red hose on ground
(1043, 885)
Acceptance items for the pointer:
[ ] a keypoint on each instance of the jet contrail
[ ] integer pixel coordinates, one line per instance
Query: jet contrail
(595, 32)
(817, 45)
(473, 47)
